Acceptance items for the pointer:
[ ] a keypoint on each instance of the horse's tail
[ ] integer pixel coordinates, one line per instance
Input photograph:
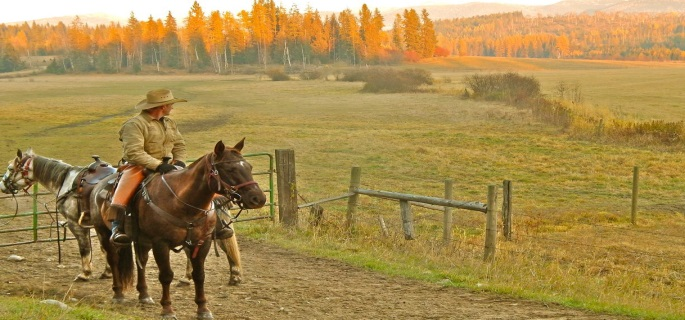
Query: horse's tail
(126, 267)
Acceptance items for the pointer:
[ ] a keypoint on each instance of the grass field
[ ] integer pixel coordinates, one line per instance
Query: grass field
(573, 240)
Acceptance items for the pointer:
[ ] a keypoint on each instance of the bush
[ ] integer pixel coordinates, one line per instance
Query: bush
(55, 68)
(355, 75)
(311, 75)
(391, 80)
(509, 87)
(277, 74)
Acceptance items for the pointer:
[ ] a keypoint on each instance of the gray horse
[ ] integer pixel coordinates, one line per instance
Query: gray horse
(59, 178)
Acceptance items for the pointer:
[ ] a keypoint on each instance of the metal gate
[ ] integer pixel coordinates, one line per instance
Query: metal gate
(46, 226)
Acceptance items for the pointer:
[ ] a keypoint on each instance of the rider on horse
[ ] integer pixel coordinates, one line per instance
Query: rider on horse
(146, 139)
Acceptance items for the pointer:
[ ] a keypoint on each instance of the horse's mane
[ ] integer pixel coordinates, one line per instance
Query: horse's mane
(50, 172)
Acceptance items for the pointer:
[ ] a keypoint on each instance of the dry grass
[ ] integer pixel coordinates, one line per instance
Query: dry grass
(573, 241)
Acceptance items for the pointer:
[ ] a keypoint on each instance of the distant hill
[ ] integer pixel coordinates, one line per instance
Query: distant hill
(89, 19)
(563, 7)
(462, 10)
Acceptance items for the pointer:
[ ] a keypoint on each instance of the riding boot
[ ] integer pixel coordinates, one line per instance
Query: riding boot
(118, 236)
(223, 230)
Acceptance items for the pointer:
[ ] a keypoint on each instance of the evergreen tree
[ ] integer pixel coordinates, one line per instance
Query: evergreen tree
(428, 35)
(171, 46)
(411, 25)
(196, 30)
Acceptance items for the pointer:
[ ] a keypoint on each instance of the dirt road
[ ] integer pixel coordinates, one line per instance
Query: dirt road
(278, 284)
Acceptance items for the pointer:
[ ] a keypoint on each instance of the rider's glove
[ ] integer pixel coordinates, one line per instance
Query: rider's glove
(165, 167)
(179, 163)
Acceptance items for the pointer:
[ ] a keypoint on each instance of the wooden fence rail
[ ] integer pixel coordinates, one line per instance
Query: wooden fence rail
(407, 200)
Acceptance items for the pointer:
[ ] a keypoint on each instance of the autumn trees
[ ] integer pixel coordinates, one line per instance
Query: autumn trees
(216, 41)
(602, 35)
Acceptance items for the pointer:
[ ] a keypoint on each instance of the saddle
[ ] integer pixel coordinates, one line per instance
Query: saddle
(87, 180)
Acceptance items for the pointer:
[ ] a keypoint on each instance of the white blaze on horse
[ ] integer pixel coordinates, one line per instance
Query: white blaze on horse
(175, 210)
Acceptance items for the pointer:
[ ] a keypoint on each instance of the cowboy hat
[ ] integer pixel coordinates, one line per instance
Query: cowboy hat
(156, 98)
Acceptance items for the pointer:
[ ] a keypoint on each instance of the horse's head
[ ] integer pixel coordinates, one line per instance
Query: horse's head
(233, 175)
(19, 174)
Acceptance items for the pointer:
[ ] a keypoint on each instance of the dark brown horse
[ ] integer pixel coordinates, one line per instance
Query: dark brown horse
(175, 210)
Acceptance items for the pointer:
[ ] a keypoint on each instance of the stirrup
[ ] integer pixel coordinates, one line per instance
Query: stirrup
(224, 233)
(119, 239)
(85, 221)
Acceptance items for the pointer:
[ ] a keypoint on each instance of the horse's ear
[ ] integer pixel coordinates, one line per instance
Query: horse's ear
(239, 146)
(19, 153)
(219, 148)
(29, 152)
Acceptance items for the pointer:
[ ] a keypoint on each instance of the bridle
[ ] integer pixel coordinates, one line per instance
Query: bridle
(22, 166)
(222, 187)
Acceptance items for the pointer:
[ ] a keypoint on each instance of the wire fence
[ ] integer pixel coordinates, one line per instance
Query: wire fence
(645, 260)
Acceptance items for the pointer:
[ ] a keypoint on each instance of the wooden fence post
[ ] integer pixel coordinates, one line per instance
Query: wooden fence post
(384, 228)
(407, 220)
(491, 225)
(636, 182)
(355, 182)
(506, 209)
(447, 214)
(287, 187)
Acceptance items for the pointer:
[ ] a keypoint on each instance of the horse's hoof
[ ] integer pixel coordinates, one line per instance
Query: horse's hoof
(171, 316)
(205, 316)
(106, 275)
(234, 281)
(183, 282)
(118, 300)
(81, 278)
(147, 300)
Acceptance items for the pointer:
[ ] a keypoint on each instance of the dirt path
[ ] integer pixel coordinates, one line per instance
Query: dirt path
(278, 284)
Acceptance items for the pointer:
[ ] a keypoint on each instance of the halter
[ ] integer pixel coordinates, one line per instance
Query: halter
(222, 187)
(24, 165)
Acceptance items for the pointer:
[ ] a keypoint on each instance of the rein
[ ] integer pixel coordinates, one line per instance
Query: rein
(24, 166)
(231, 191)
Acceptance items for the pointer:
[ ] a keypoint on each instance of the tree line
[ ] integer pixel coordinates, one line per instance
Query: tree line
(270, 34)
(601, 35)
(217, 41)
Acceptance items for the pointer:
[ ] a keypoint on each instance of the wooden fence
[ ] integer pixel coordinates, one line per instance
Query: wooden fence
(287, 203)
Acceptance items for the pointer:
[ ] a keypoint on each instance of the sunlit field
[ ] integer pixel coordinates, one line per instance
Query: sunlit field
(573, 240)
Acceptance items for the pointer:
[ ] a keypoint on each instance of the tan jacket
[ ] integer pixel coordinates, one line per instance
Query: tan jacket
(146, 140)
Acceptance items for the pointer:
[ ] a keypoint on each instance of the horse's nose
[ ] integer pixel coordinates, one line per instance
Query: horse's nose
(256, 200)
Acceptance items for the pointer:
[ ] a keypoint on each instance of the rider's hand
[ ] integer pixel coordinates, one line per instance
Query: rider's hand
(179, 163)
(165, 167)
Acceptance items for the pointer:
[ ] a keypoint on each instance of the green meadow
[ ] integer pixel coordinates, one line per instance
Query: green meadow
(573, 240)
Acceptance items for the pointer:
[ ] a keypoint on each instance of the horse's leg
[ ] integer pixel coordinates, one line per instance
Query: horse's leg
(83, 238)
(113, 261)
(166, 275)
(107, 273)
(189, 269)
(141, 286)
(199, 279)
(230, 247)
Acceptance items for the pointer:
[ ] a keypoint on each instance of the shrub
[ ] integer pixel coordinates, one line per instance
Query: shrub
(509, 87)
(55, 68)
(355, 75)
(391, 80)
(311, 75)
(277, 74)
(441, 52)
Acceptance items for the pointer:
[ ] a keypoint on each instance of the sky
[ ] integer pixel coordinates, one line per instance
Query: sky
(28, 10)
